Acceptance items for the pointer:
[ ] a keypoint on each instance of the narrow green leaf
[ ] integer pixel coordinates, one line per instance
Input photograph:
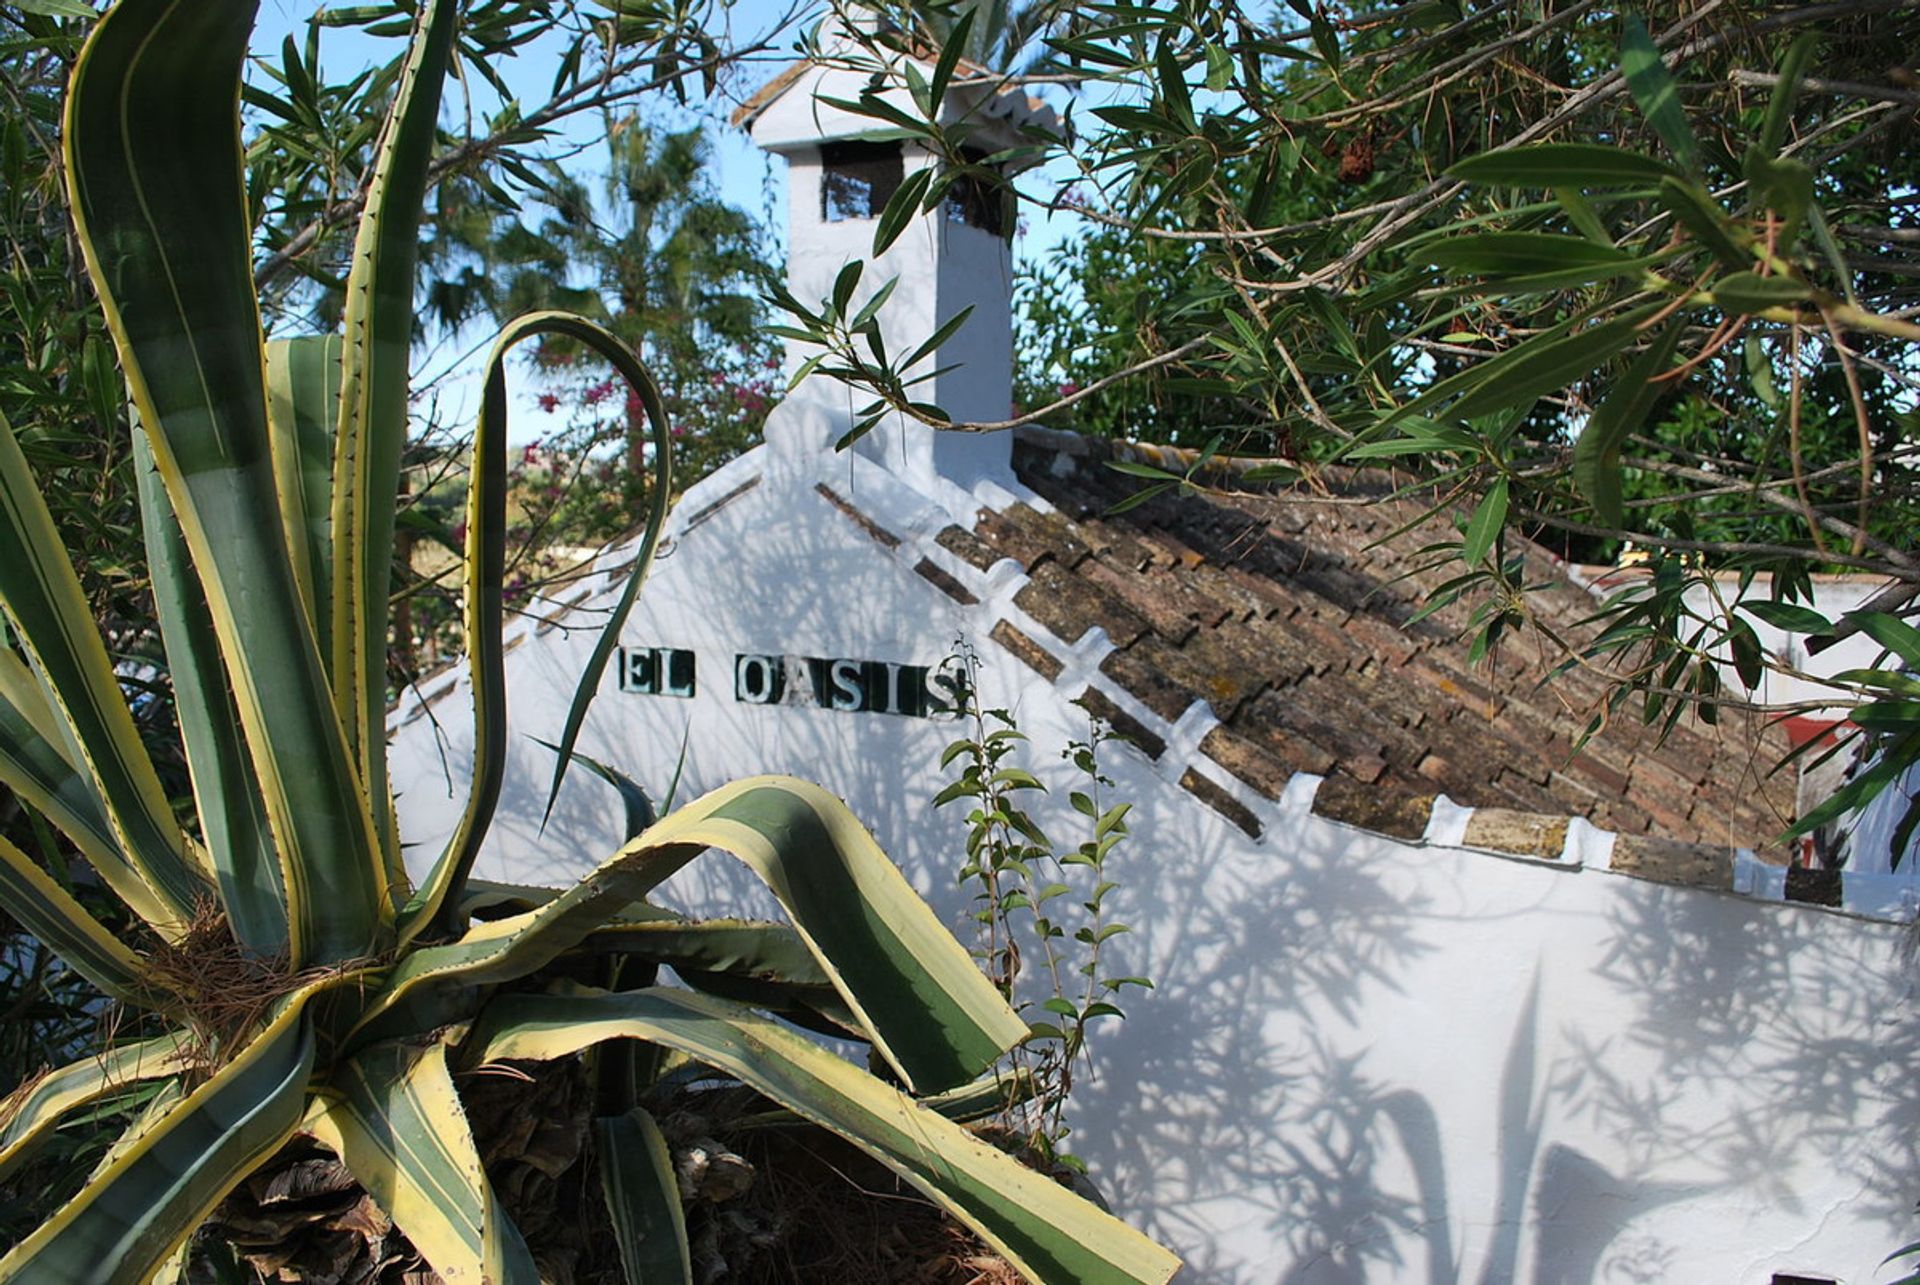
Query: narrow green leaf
(947, 330)
(1042, 1228)
(1173, 87)
(871, 308)
(844, 284)
(1656, 93)
(55, 8)
(1560, 165)
(1887, 715)
(950, 52)
(643, 1195)
(1544, 364)
(1596, 452)
(1788, 616)
(1748, 292)
(900, 209)
(1702, 215)
(1891, 632)
(1793, 68)
(1519, 253)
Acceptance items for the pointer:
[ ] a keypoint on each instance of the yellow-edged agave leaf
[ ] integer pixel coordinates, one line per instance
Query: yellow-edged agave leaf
(34, 1108)
(748, 947)
(643, 1197)
(233, 817)
(303, 405)
(133, 1214)
(642, 383)
(166, 1095)
(154, 167)
(149, 868)
(35, 766)
(766, 965)
(485, 570)
(372, 429)
(1046, 1231)
(915, 990)
(397, 1123)
(50, 913)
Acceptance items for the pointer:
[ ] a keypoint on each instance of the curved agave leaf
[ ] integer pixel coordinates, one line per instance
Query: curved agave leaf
(917, 993)
(132, 1215)
(227, 798)
(1042, 1228)
(35, 766)
(154, 165)
(641, 381)
(763, 964)
(52, 915)
(372, 430)
(148, 866)
(643, 1196)
(485, 563)
(303, 405)
(33, 1109)
(398, 1125)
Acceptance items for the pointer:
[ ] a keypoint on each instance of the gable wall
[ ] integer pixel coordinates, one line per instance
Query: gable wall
(1363, 1059)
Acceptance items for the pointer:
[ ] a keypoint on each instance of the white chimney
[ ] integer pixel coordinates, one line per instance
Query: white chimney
(842, 167)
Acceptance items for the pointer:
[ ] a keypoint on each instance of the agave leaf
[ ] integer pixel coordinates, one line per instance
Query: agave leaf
(46, 910)
(232, 814)
(164, 1098)
(398, 1125)
(303, 405)
(1043, 1229)
(148, 867)
(634, 801)
(372, 430)
(643, 1195)
(485, 560)
(135, 1212)
(37, 1106)
(641, 382)
(753, 948)
(35, 766)
(928, 1009)
(152, 142)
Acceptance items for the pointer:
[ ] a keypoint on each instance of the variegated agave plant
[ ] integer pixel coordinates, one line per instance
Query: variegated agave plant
(269, 472)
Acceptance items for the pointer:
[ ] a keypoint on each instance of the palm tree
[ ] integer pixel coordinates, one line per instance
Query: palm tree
(659, 259)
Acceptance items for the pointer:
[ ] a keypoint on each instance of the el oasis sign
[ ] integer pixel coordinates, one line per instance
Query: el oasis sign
(822, 682)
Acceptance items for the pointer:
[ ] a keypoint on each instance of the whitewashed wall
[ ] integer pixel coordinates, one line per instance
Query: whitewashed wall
(1363, 1060)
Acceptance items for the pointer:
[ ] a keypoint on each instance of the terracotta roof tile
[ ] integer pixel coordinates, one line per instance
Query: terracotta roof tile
(1069, 605)
(1287, 615)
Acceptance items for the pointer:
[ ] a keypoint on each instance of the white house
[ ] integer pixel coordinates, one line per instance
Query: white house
(1435, 999)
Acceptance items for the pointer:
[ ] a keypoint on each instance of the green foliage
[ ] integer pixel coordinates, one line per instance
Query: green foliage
(1600, 276)
(1042, 912)
(296, 981)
